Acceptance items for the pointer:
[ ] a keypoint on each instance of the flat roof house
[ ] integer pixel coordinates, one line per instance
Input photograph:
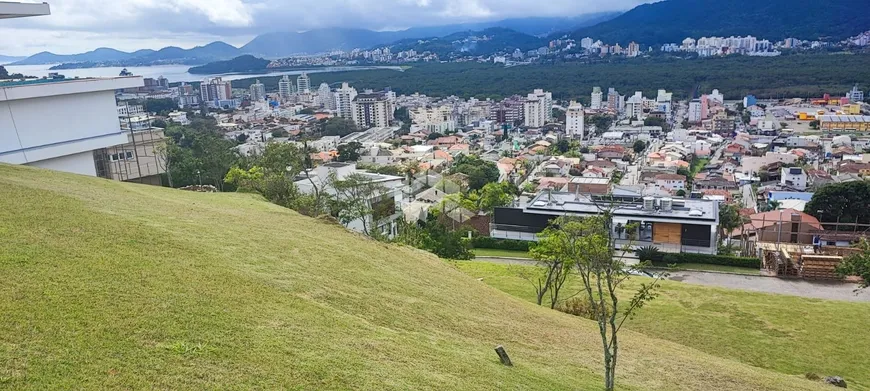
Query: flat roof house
(671, 225)
(59, 124)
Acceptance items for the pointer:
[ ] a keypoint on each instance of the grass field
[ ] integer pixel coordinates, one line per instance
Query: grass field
(489, 252)
(110, 285)
(787, 334)
(717, 268)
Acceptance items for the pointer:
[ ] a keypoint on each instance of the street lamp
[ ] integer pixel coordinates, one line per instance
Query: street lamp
(199, 175)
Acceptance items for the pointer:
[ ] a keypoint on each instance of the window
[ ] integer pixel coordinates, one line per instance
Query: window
(123, 155)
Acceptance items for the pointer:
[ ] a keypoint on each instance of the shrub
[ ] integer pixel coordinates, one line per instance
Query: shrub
(578, 307)
(500, 244)
(649, 253)
(725, 260)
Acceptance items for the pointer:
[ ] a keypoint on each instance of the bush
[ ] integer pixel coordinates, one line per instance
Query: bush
(500, 244)
(725, 260)
(649, 253)
(578, 307)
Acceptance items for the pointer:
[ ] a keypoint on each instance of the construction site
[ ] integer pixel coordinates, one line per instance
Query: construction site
(793, 246)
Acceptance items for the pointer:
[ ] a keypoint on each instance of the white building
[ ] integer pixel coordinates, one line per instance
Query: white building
(285, 87)
(672, 182)
(695, 110)
(344, 97)
(634, 106)
(533, 111)
(258, 91)
(538, 108)
(303, 83)
(386, 204)
(716, 96)
(179, 117)
(439, 119)
(794, 177)
(597, 96)
(574, 121)
(325, 98)
(83, 121)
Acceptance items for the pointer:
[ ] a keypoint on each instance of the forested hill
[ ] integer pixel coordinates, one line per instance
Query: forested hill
(674, 20)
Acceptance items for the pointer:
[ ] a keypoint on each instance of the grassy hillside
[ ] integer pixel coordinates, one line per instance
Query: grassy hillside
(788, 334)
(108, 285)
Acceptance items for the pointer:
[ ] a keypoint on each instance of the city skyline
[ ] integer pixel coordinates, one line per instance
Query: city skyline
(82, 25)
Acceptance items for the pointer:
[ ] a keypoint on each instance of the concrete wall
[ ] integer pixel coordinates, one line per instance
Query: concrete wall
(48, 127)
(79, 163)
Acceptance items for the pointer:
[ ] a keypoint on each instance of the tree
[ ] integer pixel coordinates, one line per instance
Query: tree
(857, 264)
(639, 146)
(434, 135)
(553, 267)
(349, 152)
(4, 74)
(242, 137)
(681, 193)
(160, 106)
(356, 201)
(336, 126)
(307, 110)
(159, 123)
(494, 195)
(590, 244)
(562, 146)
(202, 154)
(729, 220)
(814, 124)
(601, 122)
(479, 171)
(842, 202)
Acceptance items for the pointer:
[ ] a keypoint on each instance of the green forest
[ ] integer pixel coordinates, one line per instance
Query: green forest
(735, 76)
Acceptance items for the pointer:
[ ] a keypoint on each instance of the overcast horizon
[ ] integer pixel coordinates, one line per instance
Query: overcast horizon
(77, 26)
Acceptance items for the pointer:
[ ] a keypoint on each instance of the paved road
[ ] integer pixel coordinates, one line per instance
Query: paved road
(792, 287)
(748, 197)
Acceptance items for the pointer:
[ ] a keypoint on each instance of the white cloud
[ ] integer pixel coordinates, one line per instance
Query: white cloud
(80, 25)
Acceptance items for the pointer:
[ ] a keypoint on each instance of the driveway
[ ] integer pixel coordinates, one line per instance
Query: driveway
(793, 287)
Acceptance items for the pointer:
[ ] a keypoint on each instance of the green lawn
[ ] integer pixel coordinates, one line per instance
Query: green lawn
(109, 285)
(716, 268)
(488, 252)
(791, 335)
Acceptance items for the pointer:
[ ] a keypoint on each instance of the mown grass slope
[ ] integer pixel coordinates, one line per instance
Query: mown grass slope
(788, 334)
(108, 285)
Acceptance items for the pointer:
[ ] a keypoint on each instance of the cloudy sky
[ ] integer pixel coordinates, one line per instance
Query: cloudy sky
(80, 25)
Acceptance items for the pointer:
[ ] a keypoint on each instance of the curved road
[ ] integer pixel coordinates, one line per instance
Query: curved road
(782, 286)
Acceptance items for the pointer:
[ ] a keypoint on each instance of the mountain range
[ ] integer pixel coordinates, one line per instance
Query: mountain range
(107, 56)
(671, 21)
(498, 39)
(9, 59)
(283, 44)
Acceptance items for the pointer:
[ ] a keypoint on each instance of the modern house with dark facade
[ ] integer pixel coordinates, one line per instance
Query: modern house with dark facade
(671, 225)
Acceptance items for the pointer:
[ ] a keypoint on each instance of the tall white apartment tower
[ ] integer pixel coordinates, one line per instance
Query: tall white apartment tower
(258, 91)
(344, 97)
(303, 83)
(574, 120)
(285, 87)
(597, 96)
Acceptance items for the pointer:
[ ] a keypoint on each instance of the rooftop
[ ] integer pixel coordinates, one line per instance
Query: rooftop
(564, 202)
(20, 10)
(51, 87)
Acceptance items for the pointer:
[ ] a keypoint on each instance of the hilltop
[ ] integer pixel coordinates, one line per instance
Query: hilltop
(110, 285)
(673, 20)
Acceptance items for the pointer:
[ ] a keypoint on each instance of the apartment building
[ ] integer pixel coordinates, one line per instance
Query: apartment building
(344, 97)
(574, 120)
(372, 110)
